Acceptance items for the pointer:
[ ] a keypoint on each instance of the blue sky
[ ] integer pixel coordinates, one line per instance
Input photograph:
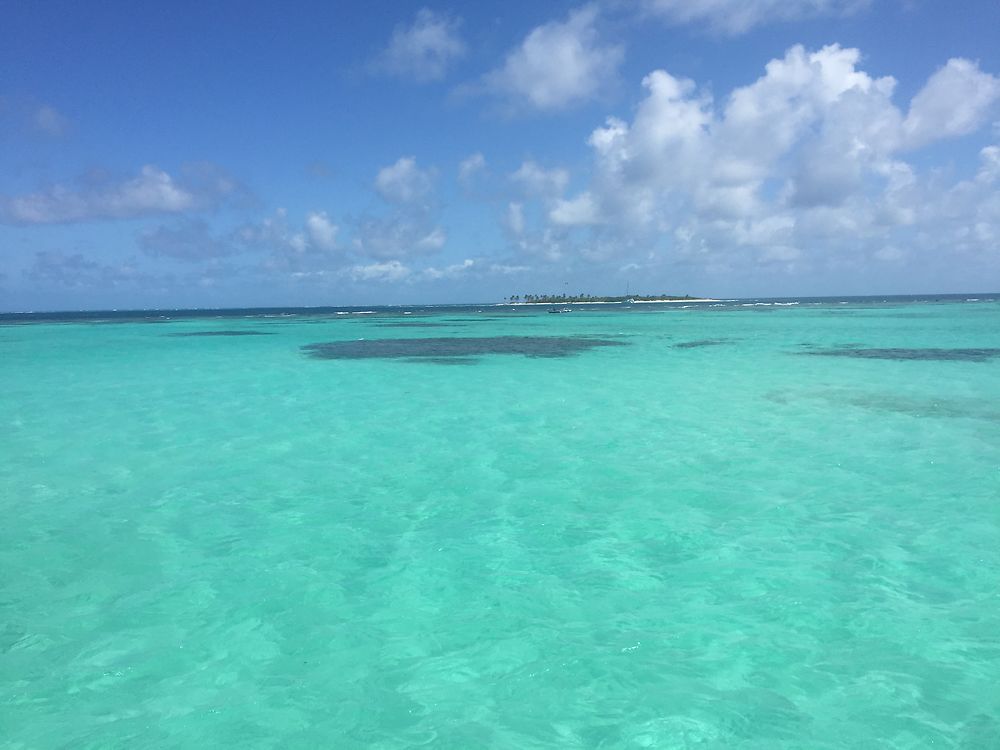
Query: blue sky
(233, 154)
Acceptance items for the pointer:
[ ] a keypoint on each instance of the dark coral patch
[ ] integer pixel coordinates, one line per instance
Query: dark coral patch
(222, 333)
(939, 355)
(412, 325)
(462, 348)
(700, 343)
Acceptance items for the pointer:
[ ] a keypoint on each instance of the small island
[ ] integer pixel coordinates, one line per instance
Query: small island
(588, 299)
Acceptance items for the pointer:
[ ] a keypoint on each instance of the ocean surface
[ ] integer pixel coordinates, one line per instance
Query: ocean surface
(748, 524)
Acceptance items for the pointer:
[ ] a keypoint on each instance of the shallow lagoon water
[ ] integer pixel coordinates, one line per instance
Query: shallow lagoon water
(222, 541)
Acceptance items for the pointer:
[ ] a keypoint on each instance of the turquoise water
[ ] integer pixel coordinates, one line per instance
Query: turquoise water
(223, 541)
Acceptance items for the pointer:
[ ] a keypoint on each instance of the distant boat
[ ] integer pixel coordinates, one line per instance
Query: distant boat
(561, 310)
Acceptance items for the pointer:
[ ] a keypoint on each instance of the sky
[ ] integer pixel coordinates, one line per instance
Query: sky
(236, 154)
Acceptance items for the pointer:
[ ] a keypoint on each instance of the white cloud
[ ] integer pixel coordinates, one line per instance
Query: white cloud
(558, 64)
(813, 121)
(801, 166)
(273, 233)
(548, 244)
(152, 192)
(394, 271)
(578, 211)
(397, 236)
(989, 172)
(403, 182)
(454, 271)
(410, 227)
(735, 17)
(291, 249)
(424, 49)
(390, 271)
(322, 232)
(538, 182)
(670, 127)
(508, 270)
(433, 240)
(958, 99)
(471, 166)
(515, 218)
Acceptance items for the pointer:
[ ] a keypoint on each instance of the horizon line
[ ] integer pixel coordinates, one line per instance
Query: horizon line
(502, 303)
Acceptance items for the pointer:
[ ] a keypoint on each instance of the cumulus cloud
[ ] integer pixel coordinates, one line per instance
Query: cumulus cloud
(514, 222)
(536, 181)
(546, 243)
(989, 171)
(433, 240)
(454, 271)
(389, 271)
(558, 64)
(470, 167)
(964, 217)
(734, 17)
(290, 248)
(153, 191)
(409, 227)
(395, 271)
(403, 182)
(284, 247)
(579, 211)
(321, 231)
(804, 164)
(424, 49)
(397, 236)
(505, 269)
(958, 99)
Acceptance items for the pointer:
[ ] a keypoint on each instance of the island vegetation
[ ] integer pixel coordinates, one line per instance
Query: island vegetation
(560, 299)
